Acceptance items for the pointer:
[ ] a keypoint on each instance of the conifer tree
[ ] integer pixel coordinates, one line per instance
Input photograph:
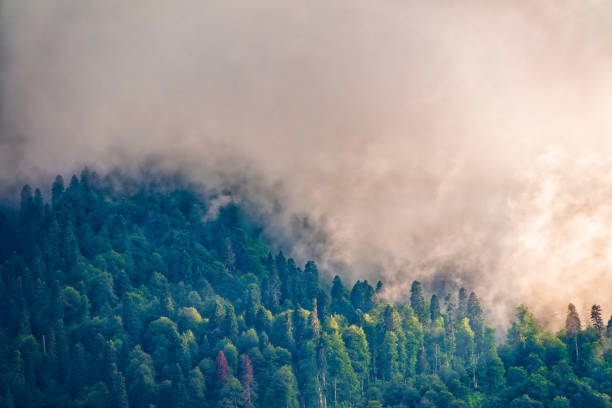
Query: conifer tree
(474, 314)
(343, 383)
(357, 348)
(462, 304)
(597, 320)
(434, 308)
(144, 260)
(57, 190)
(282, 391)
(417, 301)
(119, 392)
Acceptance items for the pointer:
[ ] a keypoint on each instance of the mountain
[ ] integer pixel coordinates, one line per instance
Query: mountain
(120, 293)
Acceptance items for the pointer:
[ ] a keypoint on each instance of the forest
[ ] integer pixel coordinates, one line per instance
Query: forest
(126, 293)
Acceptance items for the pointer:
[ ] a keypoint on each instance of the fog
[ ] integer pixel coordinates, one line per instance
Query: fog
(460, 143)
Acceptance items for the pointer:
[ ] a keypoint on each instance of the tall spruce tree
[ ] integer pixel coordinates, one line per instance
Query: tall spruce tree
(417, 301)
(597, 320)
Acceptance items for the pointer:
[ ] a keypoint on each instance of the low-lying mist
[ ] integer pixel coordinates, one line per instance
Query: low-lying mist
(460, 143)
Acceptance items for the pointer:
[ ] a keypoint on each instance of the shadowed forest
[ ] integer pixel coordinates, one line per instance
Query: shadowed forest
(117, 293)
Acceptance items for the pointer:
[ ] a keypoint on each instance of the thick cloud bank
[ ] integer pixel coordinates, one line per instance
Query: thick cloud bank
(460, 142)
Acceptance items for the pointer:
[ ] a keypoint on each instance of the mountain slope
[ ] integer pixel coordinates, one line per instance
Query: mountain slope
(137, 294)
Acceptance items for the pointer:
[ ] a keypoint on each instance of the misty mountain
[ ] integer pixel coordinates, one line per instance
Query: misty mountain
(130, 293)
(421, 136)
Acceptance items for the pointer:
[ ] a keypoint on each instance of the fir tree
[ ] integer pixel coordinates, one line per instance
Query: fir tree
(597, 320)
(434, 308)
(417, 301)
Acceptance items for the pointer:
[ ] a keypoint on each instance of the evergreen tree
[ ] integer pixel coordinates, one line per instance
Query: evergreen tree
(195, 390)
(474, 314)
(57, 190)
(282, 391)
(337, 291)
(132, 297)
(357, 348)
(434, 308)
(462, 304)
(597, 320)
(343, 383)
(119, 392)
(417, 301)
(140, 378)
(379, 287)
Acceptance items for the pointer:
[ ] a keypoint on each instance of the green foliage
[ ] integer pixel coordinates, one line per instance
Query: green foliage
(136, 296)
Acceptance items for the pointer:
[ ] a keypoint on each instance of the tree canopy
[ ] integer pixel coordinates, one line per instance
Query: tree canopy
(124, 293)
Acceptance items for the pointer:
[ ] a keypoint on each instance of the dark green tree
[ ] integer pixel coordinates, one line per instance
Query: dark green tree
(417, 301)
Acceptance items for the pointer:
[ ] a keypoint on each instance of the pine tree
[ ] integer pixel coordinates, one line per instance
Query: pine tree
(434, 308)
(312, 274)
(196, 390)
(282, 331)
(390, 322)
(263, 320)
(597, 320)
(27, 201)
(57, 190)
(282, 391)
(140, 377)
(417, 301)
(357, 348)
(271, 285)
(309, 374)
(337, 291)
(379, 287)
(389, 357)
(119, 394)
(449, 324)
(474, 314)
(252, 304)
(462, 304)
(343, 383)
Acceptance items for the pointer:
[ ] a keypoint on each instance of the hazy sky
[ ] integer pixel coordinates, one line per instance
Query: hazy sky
(465, 142)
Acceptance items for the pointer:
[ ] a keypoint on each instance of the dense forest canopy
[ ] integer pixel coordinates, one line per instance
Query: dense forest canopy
(116, 296)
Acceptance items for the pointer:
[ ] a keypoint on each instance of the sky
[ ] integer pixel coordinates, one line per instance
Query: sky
(459, 143)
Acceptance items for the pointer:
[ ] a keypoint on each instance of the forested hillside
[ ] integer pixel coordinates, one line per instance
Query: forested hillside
(132, 294)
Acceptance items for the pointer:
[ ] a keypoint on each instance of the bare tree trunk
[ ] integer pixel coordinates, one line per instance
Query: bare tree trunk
(576, 344)
(374, 364)
(474, 372)
(436, 360)
(320, 395)
(335, 398)
(324, 391)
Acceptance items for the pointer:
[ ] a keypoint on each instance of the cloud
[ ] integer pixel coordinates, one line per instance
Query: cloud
(467, 142)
